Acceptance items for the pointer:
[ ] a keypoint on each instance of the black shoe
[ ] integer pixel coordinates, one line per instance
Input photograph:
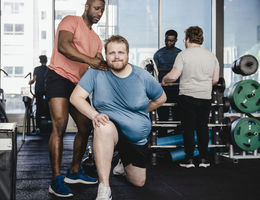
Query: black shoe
(187, 163)
(204, 163)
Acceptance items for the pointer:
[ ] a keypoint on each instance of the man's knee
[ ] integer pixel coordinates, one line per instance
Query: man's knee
(138, 182)
(135, 175)
(59, 124)
(105, 131)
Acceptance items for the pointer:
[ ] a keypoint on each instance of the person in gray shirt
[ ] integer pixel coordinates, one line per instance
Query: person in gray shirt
(198, 70)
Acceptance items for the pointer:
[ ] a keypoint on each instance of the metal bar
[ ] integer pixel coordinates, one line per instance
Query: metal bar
(168, 125)
(168, 122)
(169, 104)
(241, 157)
(176, 146)
(165, 125)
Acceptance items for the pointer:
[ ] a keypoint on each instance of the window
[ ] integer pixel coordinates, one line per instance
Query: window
(13, 29)
(19, 29)
(8, 70)
(18, 71)
(179, 15)
(43, 15)
(242, 35)
(59, 14)
(258, 33)
(8, 29)
(14, 71)
(43, 35)
(21, 44)
(13, 7)
(137, 21)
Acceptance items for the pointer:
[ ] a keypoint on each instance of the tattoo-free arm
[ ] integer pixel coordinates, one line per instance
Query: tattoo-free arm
(78, 99)
(215, 76)
(171, 77)
(66, 48)
(154, 104)
(33, 80)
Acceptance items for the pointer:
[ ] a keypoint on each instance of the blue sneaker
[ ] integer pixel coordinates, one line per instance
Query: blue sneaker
(79, 177)
(59, 189)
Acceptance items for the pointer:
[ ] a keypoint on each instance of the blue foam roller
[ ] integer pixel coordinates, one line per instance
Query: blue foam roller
(180, 154)
(175, 139)
(170, 140)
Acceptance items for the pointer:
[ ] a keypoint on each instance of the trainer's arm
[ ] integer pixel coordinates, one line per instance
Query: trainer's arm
(154, 104)
(171, 77)
(78, 99)
(66, 48)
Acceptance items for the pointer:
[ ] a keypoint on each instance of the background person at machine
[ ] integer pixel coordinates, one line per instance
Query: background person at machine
(39, 75)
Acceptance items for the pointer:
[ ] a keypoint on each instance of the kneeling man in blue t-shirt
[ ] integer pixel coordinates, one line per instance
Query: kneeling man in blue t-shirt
(122, 100)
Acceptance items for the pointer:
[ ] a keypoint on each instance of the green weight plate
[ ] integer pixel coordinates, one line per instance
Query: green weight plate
(245, 96)
(245, 133)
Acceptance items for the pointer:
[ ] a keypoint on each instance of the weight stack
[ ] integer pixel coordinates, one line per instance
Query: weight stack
(8, 160)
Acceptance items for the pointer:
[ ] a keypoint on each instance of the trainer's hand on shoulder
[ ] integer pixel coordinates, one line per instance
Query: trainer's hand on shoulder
(100, 119)
(98, 63)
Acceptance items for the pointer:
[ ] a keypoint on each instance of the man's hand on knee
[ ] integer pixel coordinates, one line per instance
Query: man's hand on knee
(100, 119)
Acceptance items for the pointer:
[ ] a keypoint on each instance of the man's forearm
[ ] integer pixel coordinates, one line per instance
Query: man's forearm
(157, 103)
(78, 99)
(72, 53)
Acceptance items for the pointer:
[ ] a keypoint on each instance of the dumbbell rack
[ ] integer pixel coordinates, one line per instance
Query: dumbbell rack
(236, 154)
(244, 66)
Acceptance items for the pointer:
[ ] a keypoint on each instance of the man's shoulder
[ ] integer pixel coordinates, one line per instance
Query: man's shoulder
(71, 17)
(68, 21)
(140, 72)
(138, 69)
(177, 49)
(163, 49)
(96, 71)
(37, 68)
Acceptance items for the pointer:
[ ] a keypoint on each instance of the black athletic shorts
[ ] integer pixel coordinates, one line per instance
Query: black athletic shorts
(58, 86)
(129, 153)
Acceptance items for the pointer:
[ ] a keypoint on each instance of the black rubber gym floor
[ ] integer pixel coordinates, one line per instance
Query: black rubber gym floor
(225, 181)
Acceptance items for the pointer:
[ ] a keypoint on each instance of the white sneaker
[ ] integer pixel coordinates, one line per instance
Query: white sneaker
(104, 193)
(119, 169)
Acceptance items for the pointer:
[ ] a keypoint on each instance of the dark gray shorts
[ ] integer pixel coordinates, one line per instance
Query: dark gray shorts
(58, 86)
(129, 153)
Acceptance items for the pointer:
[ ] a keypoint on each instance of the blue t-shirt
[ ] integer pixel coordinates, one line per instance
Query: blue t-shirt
(124, 100)
(165, 58)
(40, 73)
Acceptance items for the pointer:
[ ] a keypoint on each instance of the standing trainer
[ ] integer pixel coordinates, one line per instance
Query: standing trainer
(76, 48)
(198, 70)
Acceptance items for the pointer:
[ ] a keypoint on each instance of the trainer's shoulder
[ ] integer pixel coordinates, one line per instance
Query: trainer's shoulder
(70, 18)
